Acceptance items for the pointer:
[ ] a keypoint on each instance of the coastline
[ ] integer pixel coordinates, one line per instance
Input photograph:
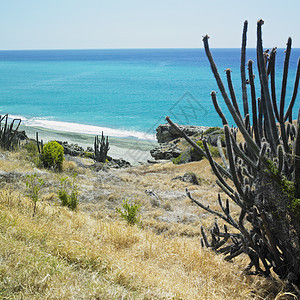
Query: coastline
(130, 149)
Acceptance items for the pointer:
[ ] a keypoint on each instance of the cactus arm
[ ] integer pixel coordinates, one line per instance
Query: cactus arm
(253, 101)
(219, 144)
(214, 167)
(273, 244)
(226, 210)
(217, 107)
(284, 78)
(242, 155)
(271, 124)
(284, 137)
(243, 73)
(260, 119)
(280, 154)
(197, 148)
(191, 142)
(225, 218)
(297, 160)
(235, 116)
(296, 84)
(37, 142)
(232, 94)
(232, 196)
(253, 245)
(231, 162)
(273, 85)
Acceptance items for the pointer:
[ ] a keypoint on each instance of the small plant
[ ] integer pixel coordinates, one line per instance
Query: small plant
(32, 153)
(52, 155)
(33, 186)
(129, 212)
(68, 192)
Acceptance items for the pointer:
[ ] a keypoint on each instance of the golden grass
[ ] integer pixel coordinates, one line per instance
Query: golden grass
(61, 255)
(91, 254)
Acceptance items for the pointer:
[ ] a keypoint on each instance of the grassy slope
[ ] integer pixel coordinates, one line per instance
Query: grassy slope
(92, 254)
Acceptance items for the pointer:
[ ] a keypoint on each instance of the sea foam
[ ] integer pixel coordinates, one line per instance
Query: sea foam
(82, 128)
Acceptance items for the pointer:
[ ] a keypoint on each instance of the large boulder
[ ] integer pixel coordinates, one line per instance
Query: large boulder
(165, 133)
(165, 151)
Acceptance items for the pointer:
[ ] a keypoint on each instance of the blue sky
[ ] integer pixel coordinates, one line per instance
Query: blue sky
(96, 24)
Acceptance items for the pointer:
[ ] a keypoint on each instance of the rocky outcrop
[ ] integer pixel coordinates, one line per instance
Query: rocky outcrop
(165, 133)
(72, 149)
(166, 151)
(170, 143)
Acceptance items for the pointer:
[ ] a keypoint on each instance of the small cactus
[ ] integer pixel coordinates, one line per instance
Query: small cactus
(101, 148)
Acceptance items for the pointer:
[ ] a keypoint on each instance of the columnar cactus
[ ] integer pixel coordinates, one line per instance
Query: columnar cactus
(101, 148)
(264, 170)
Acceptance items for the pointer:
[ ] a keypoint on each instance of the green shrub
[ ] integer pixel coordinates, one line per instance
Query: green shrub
(33, 186)
(53, 155)
(183, 158)
(129, 212)
(68, 192)
(213, 130)
(88, 154)
(213, 150)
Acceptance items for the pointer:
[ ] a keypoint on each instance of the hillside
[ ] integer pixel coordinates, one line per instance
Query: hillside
(93, 254)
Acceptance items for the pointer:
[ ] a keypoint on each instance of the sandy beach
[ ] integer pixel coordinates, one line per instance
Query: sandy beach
(130, 149)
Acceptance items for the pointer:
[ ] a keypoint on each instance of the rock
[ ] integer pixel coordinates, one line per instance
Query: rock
(72, 149)
(165, 151)
(188, 177)
(118, 163)
(159, 161)
(165, 133)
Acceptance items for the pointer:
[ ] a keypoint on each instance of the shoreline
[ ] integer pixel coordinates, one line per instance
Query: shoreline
(130, 149)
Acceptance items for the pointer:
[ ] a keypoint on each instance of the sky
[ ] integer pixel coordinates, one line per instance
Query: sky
(102, 24)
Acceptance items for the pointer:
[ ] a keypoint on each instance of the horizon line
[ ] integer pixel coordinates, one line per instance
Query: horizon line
(135, 48)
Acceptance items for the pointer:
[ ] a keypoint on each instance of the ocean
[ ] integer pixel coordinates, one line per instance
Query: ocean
(126, 93)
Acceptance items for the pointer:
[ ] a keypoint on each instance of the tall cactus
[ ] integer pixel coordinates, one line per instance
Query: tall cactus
(101, 148)
(264, 171)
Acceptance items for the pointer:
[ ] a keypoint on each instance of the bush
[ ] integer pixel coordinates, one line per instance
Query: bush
(129, 212)
(214, 130)
(68, 192)
(53, 155)
(183, 158)
(197, 156)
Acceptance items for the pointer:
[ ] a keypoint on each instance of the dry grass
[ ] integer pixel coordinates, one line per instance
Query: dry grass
(91, 254)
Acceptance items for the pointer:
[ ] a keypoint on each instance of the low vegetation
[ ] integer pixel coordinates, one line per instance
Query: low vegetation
(68, 192)
(91, 254)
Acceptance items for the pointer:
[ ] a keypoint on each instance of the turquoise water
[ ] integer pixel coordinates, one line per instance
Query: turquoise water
(125, 93)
